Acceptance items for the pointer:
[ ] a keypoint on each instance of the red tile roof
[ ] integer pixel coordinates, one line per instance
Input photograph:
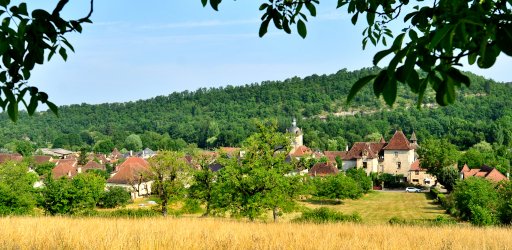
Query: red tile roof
(371, 149)
(323, 169)
(486, 172)
(415, 166)
(10, 157)
(331, 155)
(64, 169)
(465, 168)
(301, 151)
(131, 171)
(398, 142)
(93, 165)
(40, 159)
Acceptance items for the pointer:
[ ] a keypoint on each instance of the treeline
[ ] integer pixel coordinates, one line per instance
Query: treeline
(222, 116)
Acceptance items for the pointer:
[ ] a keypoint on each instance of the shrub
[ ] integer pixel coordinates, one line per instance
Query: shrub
(476, 199)
(114, 197)
(134, 213)
(482, 216)
(326, 215)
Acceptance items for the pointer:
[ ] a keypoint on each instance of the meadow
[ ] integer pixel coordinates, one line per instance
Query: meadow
(217, 233)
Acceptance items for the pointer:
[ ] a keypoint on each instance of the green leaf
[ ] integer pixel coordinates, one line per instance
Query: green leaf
(354, 18)
(456, 75)
(62, 52)
(204, 2)
(53, 108)
(22, 9)
(311, 8)
(31, 108)
(262, 7)
(12, 110)
(390, 90)
(358, 86)
(504, 38)
(264, 27)
(380, 81)
(286, 26)
(381, 54)
(439, 35)
(488, 55)
(301, 28)
(370, 18)
(4, 3)
(215, 4)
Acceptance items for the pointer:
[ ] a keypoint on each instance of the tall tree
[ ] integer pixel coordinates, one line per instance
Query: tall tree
(261, 180)
(204, 180)
(16, 186)
(436, 155)
(169, 169)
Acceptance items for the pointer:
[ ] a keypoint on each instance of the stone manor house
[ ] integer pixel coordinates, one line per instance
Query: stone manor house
(397, 156)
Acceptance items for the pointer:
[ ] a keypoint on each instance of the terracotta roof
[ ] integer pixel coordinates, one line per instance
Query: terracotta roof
(486, 172)
(465, 168)
(371, 149)
(382, 140)
(415, 166)
(93, 165)
(131, 171)
(331, 155)
(39, 159)
(301, 151)
(398, 142)
(10, 157)
(323, 169)
(71, 161)
(64, 169)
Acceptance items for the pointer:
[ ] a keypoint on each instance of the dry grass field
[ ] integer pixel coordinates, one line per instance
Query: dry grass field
(197, 233)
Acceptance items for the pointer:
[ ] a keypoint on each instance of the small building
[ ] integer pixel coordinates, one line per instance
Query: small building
(486, 172)
(322, 169)
(419, 176)
(134, 175)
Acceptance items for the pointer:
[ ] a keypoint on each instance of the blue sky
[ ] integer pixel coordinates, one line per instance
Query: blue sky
(141, 49)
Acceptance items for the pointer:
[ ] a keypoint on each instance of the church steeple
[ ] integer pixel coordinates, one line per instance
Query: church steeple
(413, 138)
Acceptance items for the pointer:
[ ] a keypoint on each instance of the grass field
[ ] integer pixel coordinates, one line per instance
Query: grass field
(378, 207)
(201, 233)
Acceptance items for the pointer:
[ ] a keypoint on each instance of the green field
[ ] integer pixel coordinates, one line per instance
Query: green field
(378, 207)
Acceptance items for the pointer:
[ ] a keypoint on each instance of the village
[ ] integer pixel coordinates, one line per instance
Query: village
(397, 157)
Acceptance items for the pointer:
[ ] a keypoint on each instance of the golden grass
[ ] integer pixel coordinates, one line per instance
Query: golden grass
(378, 207)
(190, 233)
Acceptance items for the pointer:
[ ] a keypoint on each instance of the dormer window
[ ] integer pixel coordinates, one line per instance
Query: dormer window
(365, 153)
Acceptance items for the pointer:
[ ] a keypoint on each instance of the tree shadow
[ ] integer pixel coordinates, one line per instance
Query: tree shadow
(324, 201)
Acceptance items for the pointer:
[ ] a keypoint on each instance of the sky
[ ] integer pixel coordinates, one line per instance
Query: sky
(141, 49)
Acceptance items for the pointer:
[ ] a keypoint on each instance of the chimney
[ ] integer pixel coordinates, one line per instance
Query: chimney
(131, 153)
(79, 170)
(346, 148)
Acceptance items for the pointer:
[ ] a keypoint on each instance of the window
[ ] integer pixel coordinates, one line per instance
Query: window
(396, 154)
(398, 165)
(365, 165)
(415, 180)
(417, 172)
(427, 181)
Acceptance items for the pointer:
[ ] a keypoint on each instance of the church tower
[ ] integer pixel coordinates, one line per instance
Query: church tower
(297, 136)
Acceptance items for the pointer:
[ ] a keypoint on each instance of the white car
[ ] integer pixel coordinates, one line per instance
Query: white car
(412, 190)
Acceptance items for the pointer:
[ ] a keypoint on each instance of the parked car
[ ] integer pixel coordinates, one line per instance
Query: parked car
(412, 190)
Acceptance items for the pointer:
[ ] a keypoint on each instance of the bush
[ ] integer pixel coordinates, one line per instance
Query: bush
(477, 200)
(114, 197)
(326, 215)
(134, 213)
(337, 187)
(482, 216)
